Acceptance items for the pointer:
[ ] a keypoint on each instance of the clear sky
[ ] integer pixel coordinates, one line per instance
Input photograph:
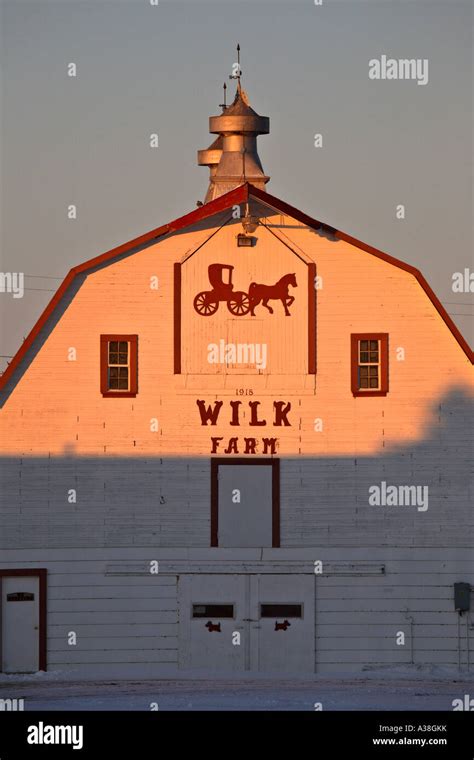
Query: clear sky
(145, 69)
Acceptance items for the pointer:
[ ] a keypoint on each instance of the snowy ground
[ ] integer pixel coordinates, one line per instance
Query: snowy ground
(376, 691)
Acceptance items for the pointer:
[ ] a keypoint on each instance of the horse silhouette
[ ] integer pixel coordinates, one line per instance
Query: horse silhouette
(278, 292)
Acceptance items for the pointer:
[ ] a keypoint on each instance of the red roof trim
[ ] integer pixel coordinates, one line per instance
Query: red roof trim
(424, 284)
(315, 224)
(234, 197)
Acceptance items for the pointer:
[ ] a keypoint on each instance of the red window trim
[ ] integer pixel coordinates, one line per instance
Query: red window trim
(383, 338)
(104, 363)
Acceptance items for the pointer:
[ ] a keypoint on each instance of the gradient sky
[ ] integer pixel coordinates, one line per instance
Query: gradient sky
(145, 69)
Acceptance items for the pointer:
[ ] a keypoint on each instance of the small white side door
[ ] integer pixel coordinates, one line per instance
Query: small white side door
(20, 624)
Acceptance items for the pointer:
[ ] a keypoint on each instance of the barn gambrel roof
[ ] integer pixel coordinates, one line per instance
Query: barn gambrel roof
(239, 195)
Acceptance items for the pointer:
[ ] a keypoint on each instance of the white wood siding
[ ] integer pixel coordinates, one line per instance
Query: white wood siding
(126, 621)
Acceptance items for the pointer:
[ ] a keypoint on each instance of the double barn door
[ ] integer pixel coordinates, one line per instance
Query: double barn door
(247, 623)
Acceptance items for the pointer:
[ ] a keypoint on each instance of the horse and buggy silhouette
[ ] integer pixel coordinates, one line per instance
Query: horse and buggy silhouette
(238, 302)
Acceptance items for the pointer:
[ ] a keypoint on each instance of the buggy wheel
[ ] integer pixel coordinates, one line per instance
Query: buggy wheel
(239, 304)
(205, 304)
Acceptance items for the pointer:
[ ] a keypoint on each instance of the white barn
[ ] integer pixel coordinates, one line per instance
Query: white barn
(220, 454)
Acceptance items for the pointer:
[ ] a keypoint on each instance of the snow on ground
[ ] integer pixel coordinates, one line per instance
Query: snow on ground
(375, 691)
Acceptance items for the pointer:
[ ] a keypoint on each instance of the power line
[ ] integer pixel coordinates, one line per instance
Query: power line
(43, 290)
(43, 276)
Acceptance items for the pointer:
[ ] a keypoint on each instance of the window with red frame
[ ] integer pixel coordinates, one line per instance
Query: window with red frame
(369, 364)
(118, 365)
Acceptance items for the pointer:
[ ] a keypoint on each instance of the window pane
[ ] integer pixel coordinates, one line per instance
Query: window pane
(364, 382)
(374, 345)
(374, 383)
(374, 356)
(123, 346)
(21, 596)
(213, 610)
(281, 610)
(123, 378)
(364, 345)
(113, 373)
(113, 384)
(363, 371)
(373, 371)
(113, 358)
(113, 346)
(122, 359)
(364, 356)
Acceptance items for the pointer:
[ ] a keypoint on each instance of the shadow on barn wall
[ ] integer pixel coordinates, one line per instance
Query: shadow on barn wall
(165, 501)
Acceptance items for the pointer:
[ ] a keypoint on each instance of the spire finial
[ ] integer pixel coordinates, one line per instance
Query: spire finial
(233, 158)
(224, 104)
(237, 69)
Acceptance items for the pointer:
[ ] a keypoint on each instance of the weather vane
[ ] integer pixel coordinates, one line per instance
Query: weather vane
(238, 70)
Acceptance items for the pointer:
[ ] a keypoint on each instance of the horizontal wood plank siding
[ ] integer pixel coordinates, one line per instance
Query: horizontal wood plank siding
(125, 620)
